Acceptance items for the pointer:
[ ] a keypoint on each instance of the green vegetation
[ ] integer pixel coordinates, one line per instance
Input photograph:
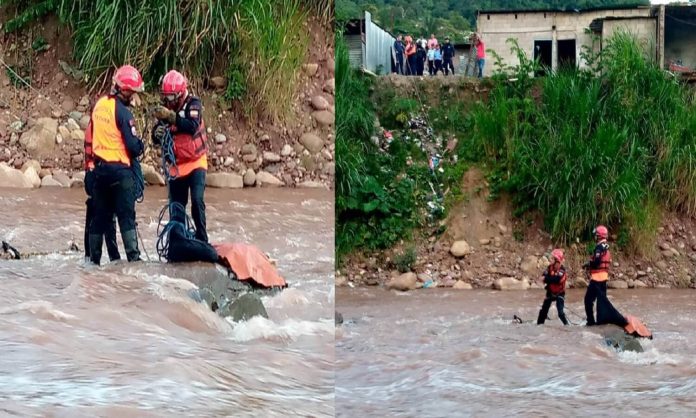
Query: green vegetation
(374, 204)
(262, 44)
(272, 41)
(386, 193)
(597, 146)
(405, 260)
(611, 144)
(451, 18)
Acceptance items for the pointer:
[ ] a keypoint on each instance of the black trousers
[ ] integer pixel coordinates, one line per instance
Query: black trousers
(411, 65)
(560, 303)
(438, 66)
(179, 192)
(110, 235)
(113, 195)
(400, 64)
(430, 67)
(448, 65)
(595, 289)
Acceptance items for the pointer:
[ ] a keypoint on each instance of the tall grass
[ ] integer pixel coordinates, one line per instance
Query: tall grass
(324, 9)
(594, 147)
(259, 45)
(151, 35)
(271, 42)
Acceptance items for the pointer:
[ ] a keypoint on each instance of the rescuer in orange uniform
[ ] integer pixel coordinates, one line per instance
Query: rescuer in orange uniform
(115, 146)
(598, 267)
(111, 244)
(182, 115)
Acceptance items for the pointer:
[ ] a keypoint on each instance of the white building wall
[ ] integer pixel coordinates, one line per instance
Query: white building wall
(643, 29)
(528, 27)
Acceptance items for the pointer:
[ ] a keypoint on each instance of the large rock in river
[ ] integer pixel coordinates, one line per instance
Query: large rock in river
(244, 307)
(406, 281)
(219, 289)
(621, 341)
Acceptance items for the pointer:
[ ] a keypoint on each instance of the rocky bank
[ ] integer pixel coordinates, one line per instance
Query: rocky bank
(42, 126)
(485, 246)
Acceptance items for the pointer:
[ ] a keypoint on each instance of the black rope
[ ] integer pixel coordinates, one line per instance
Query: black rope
(187, 227)
(168, 157)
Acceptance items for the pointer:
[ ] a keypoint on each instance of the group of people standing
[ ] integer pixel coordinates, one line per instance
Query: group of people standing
(410, 56)
(113, 177)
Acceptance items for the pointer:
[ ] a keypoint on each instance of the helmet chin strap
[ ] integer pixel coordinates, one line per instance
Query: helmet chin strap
(176, 105)
(116, 91)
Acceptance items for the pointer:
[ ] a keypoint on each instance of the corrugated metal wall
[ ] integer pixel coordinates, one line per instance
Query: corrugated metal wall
(355, 52)
(378, 47)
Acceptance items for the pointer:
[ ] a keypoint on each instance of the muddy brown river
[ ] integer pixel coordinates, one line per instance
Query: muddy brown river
(122, 340)
(447, 353)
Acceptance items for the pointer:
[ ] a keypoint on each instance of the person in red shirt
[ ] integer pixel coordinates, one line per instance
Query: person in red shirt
(410, 56)
(480, 55)
(555, 280)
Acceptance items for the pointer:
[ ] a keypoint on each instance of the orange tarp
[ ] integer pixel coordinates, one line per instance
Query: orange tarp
(249, 263)
(636, 328)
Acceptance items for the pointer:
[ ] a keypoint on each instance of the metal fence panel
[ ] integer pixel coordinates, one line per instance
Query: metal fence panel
(378, 47)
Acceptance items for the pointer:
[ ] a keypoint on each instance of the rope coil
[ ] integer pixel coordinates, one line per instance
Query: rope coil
(168, 157)
(187, 227)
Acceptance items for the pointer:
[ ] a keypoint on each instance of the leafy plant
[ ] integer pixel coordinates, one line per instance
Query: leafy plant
(236, 87)
(28, 11)
(39, 44)
(405, 260)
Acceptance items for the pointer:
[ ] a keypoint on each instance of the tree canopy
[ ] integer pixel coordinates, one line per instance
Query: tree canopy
(451, 17)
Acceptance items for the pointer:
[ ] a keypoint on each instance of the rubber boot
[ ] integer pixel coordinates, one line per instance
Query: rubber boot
(112, 245)
(95, 248)
(130, 243)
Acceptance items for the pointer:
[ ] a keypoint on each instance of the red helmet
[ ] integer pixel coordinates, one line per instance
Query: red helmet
(558, 254)
(127, 78)
(173, 83)
(601, 231)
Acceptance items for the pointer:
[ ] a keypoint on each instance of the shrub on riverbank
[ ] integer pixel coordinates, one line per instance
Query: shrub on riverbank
(374, 207)
(596, 146)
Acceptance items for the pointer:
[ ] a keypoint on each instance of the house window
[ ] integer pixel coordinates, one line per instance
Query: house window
(566, 53)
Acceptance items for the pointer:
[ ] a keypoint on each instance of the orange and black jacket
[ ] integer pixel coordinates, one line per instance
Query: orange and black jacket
(188, 124)
(126, 125)
(600, 262)
(189, 137)
(555, 280)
